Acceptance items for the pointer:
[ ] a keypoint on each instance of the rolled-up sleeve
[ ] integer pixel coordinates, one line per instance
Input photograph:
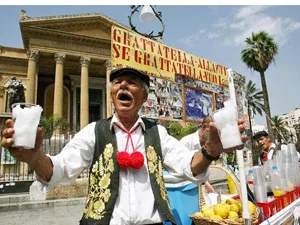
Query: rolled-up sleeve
(74, 158)
(177, 158)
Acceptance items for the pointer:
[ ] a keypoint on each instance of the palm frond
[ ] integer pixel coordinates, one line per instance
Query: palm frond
(255, 98)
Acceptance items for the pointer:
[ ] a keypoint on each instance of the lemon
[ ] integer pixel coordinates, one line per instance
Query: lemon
(199, 214)
(252, 208)
(232, 215)
(204, 207)
(208, 212)
(230, 201)
(216, 217)
(227, 206)
(222, 210)
(240, 206)
(235, 207)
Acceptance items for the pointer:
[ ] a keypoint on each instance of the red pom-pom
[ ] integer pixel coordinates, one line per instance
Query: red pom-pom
(123, 159)
(137, 160)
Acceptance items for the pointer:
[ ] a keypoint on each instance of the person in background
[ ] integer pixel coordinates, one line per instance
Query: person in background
(182, 190)
(266, 145)
(125, 155)
(196, 140)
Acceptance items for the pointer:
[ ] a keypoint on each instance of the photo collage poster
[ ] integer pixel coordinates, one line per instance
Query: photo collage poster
(188, 99)
(164, 100)
(198, 104)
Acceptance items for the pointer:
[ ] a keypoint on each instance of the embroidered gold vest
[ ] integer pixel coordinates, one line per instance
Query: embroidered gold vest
(104, 175)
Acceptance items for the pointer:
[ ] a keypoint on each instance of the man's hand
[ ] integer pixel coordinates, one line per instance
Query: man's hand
(214, 148)
(214, 145)
(24, 155)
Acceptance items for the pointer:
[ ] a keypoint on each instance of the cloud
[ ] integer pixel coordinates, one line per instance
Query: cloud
(247, 20)
(246, 12)
(193, 39)
(243, 21)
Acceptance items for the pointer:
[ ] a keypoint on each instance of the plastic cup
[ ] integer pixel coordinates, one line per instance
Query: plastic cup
(258, 175)
(260, 193)
(26, 117)
(227, 125)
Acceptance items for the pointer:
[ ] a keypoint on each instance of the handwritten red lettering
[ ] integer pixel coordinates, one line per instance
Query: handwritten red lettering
(125, 53)
(116, 48)
(137, 56)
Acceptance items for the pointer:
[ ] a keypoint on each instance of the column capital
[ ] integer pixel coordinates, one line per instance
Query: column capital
(59, 57)
(33, 55)
(85, 60)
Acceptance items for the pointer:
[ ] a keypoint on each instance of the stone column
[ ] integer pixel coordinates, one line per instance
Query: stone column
(36, 81)
(59, 84)
(108, 97)
(84, 91)
(33, 57)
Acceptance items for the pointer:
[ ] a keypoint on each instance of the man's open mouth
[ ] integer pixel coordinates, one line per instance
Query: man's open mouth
(124, 96)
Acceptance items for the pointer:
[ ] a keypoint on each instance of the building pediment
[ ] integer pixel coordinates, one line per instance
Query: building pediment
(84, 26)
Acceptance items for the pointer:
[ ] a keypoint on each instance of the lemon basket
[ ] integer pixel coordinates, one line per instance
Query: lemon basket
(202, 219)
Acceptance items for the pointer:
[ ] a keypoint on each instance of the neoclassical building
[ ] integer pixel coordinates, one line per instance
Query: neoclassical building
(66, 61)
(64, 66)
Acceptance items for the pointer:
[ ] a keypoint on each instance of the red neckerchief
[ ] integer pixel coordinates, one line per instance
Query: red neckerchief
(265, 156)
(126, 160)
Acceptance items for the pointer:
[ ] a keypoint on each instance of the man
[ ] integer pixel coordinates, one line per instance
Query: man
(125, 155)
(266, 145)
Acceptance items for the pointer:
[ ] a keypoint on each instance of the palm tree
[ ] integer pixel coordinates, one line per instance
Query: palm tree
(279, 128)
(260, 53)
(255, 98)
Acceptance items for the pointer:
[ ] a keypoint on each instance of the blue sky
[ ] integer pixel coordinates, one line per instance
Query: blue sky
(216, 33)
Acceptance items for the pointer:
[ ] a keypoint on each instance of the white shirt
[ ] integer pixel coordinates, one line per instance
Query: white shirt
(135, 202)
(271, 152)
(192, 142)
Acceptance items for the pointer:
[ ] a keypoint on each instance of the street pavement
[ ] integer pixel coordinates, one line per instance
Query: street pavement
(67, 212)
(62, 215)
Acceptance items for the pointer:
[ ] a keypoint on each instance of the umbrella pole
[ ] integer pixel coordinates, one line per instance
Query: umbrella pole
(240, 159)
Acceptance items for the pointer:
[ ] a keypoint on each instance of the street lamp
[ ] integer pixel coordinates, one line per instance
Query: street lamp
(148, 13)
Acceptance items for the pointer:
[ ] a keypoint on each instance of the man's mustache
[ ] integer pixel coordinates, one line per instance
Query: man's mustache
(124, 92)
